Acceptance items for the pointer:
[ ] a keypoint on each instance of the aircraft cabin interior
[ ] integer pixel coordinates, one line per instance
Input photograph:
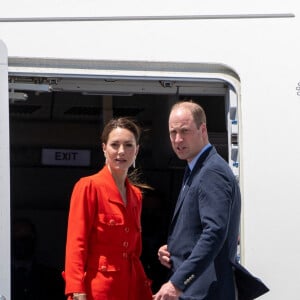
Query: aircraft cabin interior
(68, 119)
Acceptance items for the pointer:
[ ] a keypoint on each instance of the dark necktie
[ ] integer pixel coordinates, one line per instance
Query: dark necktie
(186, 175)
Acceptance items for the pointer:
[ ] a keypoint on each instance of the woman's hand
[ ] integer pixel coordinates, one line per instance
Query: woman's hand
(79, 296)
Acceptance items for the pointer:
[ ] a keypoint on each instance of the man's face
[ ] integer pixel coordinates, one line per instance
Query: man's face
(187, 140)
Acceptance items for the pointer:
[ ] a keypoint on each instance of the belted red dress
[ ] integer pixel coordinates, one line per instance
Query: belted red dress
(104, 241)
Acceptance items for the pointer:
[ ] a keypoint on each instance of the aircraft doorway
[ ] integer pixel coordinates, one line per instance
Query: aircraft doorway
(70, 117)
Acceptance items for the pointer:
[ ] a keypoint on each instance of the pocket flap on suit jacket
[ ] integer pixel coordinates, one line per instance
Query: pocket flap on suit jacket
(249, 287)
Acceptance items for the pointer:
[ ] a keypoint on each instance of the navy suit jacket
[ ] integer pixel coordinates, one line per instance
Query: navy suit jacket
(204, 231)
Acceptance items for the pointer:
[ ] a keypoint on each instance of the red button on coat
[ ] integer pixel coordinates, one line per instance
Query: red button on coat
(103, 268)
(112, 222)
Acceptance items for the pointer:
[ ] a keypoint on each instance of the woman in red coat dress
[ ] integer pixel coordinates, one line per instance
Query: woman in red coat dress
(104, 229)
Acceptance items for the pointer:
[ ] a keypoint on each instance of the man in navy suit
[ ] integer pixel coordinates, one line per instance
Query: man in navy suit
(203, 238)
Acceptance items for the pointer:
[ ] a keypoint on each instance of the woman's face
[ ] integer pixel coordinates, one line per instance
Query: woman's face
(120, 150)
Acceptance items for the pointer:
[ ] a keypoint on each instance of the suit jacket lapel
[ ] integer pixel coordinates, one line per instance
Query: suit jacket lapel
(186, 187)
(111, 188)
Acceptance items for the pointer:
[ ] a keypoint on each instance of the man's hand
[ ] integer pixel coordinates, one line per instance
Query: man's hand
(167, 292)
(164, 256)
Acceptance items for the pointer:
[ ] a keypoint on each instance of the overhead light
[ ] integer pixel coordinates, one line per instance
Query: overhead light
(30, 87)
(14, 96)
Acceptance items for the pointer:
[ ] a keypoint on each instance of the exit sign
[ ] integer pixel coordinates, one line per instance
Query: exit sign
(66, 157)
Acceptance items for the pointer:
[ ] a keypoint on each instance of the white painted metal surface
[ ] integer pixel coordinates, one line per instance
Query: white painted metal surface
(258, 40)
(4, 178)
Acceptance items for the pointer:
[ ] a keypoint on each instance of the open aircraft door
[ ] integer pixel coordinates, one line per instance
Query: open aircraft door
(4, 178)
